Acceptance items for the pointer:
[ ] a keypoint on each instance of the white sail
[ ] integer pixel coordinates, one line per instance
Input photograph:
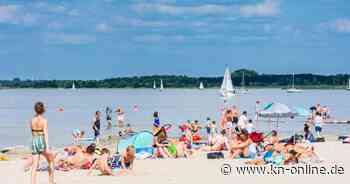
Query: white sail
(73, 86)
(154, 85)
(227, 86)
(201, 85)
(293, 89)
(161, 85)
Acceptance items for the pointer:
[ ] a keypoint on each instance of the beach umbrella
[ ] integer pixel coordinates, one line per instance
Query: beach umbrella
(276, 111)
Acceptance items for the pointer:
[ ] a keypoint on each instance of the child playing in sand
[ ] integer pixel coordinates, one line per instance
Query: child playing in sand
(128, 158)
(101, 164)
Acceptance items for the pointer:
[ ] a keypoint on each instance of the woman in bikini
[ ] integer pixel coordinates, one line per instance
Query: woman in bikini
(40, 140)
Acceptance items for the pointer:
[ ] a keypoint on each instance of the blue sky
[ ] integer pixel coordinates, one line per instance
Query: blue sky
(96, 39)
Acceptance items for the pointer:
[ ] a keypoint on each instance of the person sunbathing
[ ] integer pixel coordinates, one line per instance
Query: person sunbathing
(267, 157)
(78, 158)
(246, 148)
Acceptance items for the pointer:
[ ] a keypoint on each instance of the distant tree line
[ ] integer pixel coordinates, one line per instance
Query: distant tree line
(252, 79)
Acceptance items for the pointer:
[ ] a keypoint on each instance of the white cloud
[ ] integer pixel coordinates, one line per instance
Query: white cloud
(103, 27)
(266, 8)
(64, 38)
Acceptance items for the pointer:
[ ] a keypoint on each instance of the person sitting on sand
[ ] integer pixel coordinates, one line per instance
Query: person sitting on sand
(246, 148)
(101, 164)
(128, 158)
(160, 143)
(220, 143)
(273, 139)
(308, 136)
(195, 128)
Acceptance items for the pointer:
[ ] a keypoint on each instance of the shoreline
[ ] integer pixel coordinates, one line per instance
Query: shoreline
(187, 88)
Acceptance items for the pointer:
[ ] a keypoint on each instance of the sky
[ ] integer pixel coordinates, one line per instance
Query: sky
(97, 39)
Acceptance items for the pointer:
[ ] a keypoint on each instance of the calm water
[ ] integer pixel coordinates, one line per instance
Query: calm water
(174, 105)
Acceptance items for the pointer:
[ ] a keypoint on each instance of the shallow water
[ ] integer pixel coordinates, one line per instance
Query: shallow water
(174, 105)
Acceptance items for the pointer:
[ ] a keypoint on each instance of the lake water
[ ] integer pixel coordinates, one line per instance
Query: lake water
(174, 105)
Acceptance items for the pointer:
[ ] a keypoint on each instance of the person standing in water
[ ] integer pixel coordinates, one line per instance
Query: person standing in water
(120, 117)
(96, 127)
(109, 118)
(40, 143)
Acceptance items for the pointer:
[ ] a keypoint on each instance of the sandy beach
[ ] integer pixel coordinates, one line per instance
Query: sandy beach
(195, 170)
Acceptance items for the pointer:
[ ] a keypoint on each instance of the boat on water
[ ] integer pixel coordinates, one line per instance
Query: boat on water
(161, 85)
(293, 89)
(348, 85)
(227, 90)
(73, 86)
(154, 85)
(201, 86)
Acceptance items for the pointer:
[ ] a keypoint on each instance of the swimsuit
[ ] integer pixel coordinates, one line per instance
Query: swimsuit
(97, 125)
(38, 142)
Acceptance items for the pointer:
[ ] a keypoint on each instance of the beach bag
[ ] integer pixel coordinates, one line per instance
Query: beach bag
(215, 155)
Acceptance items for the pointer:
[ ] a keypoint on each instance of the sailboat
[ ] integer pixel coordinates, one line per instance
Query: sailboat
(154, 85)
(243, 90)
(201, 86)
(348, 85)
(73, 86)
(161, 85)
(227, 90)
(293, 89)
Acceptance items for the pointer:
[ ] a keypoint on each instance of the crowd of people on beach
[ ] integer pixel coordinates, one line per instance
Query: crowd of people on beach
(233, 137)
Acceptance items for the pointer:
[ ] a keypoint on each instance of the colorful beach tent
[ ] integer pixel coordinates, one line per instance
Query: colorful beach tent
(143, 141)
